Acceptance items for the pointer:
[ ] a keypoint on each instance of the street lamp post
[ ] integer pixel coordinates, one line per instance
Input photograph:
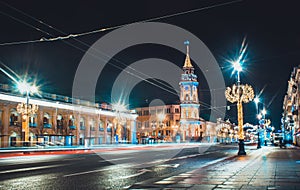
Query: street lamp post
(256, 100)
(26, 109)
(264, 112)
(239, 93)
(258, 131)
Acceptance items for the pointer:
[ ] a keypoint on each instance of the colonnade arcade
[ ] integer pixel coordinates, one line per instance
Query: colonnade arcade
(53, 126)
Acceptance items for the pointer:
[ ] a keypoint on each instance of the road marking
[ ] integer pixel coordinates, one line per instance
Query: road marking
(141, 172)
(115, 159)
(82, 173)
(169, 165)
(30, 169)
(109, 168)
(133, 165)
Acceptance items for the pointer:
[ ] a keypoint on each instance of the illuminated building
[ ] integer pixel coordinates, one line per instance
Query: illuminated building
(189, 120)
(158, 122)
(290, 116)
(59, 122)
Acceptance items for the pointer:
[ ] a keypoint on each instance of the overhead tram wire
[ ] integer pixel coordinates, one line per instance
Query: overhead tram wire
(105, 29)
(101, 30)
(202, 103)
(112, 27)
(36, 28)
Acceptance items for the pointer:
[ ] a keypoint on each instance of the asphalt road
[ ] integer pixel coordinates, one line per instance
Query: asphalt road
(106, 169)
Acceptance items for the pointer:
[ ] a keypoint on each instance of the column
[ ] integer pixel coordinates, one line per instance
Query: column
(77, 124)
(105, 130)
(114, 126)
(54, 120)
(87, 132)
(40, 123)
(133, 132)
(5, 120)
(97, 130)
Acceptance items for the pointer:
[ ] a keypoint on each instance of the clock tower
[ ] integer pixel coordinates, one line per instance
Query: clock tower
(189, 103)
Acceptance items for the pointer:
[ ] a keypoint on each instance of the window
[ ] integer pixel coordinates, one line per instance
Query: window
(72, 122)
(59, 121)
(146, 112)
(187, 97)
(101, 124)
(168, 123)
(13, 119)
(32, 121)
(146, 124)
(82, 124)
(168, 110)
(176, 110)
(152, 112)
(139, 124)
(46, 120)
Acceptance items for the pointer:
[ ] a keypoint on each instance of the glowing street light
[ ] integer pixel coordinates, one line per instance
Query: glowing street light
(237, 66)
(259, 116)
(27, 88)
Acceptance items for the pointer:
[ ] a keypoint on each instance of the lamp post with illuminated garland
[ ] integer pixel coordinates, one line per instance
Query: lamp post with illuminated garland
(120, 120)
(26, 109)
(241, 94)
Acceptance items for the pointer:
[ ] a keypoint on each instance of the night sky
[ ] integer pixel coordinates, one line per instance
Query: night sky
(271, 28)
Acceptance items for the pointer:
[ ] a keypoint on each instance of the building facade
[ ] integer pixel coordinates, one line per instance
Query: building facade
(290, 115)
(158, 122)
(58, 121)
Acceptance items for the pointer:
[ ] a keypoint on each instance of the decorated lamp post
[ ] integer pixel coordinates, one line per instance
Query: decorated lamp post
(240, 94)
(26, 109)
(120, 120)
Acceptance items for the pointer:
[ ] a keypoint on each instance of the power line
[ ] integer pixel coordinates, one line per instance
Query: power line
(63, 38)
(71, 36)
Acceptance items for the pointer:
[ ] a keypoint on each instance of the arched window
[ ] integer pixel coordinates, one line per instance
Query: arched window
(101, 125)
(32, 120)
(187, 97)
(72, 122)
(82, 124)
(60, 122)
(46, 120)
(14, 117)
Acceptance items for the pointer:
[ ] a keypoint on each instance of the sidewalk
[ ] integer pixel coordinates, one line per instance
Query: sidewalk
(265, 168)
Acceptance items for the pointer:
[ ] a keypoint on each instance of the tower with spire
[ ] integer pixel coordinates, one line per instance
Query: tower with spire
(189, 103)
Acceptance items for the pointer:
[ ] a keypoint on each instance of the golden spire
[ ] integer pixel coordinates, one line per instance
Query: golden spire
(187, 62)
